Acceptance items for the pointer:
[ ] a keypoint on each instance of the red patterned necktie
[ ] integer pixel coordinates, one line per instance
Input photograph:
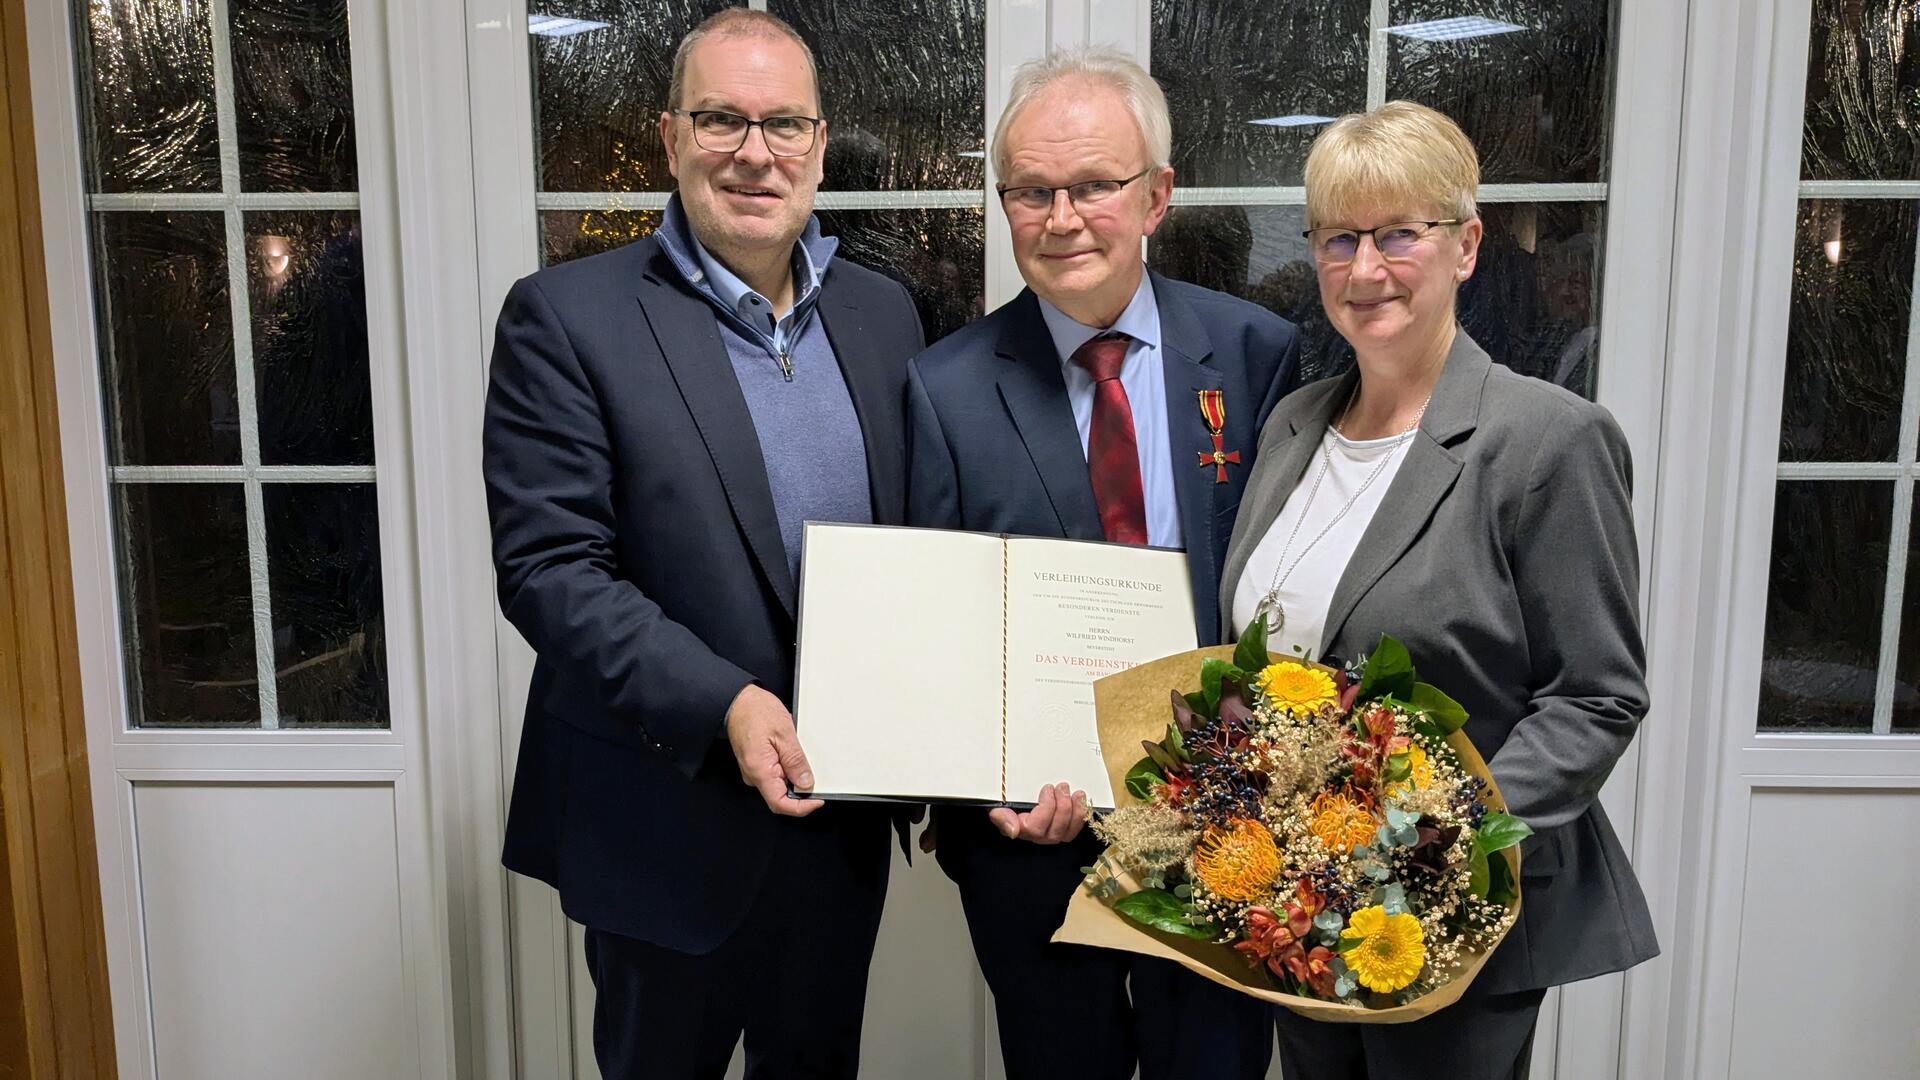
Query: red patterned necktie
(1113, 457)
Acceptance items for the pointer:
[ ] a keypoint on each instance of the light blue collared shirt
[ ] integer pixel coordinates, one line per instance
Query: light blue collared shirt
(756, 310)
(1145, 382)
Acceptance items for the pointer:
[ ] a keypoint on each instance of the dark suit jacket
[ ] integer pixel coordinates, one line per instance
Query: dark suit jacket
(993, 446)
(637, 550)
(1504, 557)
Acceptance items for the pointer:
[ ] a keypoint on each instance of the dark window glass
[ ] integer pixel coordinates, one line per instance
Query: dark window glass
(148, 77)
(166, 338)
(1906, 684)
(1863, 91)
(329, 633)
(1826, 593)
(309, 307)
(1249, 84)
(938, 254)
(1847, 334)
(293, 95)
(1536, 100)
(188, 605)
(566, 235)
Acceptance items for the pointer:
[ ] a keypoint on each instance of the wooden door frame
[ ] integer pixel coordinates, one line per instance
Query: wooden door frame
(55, 1014)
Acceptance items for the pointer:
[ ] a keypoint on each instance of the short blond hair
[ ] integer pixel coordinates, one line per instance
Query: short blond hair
(1398, 155)
(1097, 65)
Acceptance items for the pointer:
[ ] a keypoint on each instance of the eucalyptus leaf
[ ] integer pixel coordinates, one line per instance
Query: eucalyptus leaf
(1328, 925)
(1161, 910)
(1392, 899)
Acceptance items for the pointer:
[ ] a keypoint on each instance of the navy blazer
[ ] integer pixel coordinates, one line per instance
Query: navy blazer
(992, 444)
(637, 550)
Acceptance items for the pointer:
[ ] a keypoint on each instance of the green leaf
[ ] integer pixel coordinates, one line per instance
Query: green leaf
(1250, 654)
(1389, 671)
(1160, 756)
(1211, 672)
(1348, 944)
(1161, 910)
(1481, 874)
(1500, 887)
(1197, 701)
(1498, 832)
(1175, 744)
(1141, 778)
(1399, 767)
(1184, 891)
(1446, 713)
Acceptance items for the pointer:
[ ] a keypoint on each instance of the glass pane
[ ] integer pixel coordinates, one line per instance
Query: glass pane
(598, 93)
(147, 66)
(293, 95)
(1824, 602)
(1528, 80)
(329, 633)
(938, 254)
(167, 339)
(1533, 302)
(1906, 679)
(1847, 332)
(188, 605)
(1863, 91)
(1250, 83)
(903, 87)
(566, 235)
(309, 306)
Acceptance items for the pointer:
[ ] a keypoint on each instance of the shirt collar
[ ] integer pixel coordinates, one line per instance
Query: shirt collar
(1140, 320)
(812, 255)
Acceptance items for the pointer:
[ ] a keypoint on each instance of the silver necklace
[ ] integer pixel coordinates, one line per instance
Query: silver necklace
(1270, 608)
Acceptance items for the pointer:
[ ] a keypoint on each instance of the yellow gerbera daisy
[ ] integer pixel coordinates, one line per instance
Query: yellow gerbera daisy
(1342, 820)
(1238, 862)
(1420, 779)
(1389, 952)
(1296, 688)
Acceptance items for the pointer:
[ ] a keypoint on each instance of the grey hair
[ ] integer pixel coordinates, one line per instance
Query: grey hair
(1101, 65)
(737, 22)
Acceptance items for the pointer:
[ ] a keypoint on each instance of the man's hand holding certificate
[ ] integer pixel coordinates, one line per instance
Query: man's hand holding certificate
(953, 666)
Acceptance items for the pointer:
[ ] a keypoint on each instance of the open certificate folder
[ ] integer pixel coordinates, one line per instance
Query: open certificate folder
(955, 666)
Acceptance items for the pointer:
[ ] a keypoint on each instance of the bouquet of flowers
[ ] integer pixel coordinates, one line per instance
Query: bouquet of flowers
(1324, 837)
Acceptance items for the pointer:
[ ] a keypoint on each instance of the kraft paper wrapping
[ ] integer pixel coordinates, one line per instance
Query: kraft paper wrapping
(1134, 705)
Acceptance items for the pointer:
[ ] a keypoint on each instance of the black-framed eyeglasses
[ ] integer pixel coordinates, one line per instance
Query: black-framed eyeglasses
(1333, 245)
(1084, 193)
(723, 132)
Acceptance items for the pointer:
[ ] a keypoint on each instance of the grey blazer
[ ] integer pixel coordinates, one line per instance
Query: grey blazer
(1503, 556)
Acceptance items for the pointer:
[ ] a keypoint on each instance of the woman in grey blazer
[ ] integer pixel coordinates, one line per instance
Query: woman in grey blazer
(1483, 518)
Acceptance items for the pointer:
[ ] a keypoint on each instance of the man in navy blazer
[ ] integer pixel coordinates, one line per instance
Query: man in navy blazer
(1103, 402)
(661, 419)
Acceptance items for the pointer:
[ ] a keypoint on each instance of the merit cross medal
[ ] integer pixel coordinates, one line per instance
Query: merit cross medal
(1214, 409)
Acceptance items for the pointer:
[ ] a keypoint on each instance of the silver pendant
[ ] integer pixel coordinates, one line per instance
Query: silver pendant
(1272, 610)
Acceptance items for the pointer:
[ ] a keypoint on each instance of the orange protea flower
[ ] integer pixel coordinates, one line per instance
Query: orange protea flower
(1296, 688)
(1238, 862)
(1343, 820)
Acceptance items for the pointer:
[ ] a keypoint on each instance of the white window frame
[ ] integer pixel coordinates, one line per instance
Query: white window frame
(122, 755)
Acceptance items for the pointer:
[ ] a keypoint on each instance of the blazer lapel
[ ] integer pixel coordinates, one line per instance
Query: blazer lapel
(1036, 397)
(1425, 477)
(1289, 444)
(874, 399)
(1185, 349)
(688, 336)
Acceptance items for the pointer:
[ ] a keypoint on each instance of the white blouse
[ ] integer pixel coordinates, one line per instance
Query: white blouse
(1307, 592)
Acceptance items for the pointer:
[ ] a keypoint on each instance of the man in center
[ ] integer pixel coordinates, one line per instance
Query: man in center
(1105, 402)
